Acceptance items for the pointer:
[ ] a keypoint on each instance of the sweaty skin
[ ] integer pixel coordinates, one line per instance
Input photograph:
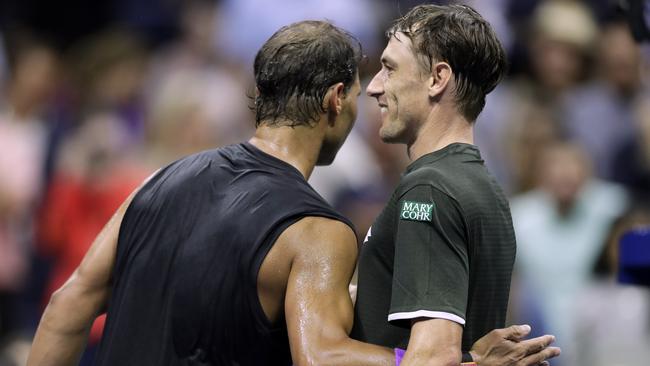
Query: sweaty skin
(317, 257)
(305, 275)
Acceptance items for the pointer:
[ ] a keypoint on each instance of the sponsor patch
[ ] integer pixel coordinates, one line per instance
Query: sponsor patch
(416, 211)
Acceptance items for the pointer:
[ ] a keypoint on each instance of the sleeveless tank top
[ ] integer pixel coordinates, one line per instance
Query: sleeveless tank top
(190, 247)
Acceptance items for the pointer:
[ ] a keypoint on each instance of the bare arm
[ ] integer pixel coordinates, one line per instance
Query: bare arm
(62, 332)
(318, 307)
(319, 310)
(437, 342)
(434, 342)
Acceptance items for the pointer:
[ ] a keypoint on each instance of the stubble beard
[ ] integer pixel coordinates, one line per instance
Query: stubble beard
(392, 132)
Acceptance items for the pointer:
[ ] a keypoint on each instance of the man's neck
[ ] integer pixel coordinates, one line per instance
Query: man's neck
(298, 146)
(440, 130)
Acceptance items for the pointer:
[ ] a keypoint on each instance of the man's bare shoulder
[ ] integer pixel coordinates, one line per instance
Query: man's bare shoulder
(303, 247)
(319, 233)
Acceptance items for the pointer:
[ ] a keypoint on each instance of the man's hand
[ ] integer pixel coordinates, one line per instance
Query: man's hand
(506, 347)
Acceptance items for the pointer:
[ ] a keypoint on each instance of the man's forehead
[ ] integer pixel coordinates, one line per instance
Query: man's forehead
(398, 43)
(400, 37)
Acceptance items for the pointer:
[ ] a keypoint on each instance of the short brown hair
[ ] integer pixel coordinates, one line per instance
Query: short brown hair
(458, 35)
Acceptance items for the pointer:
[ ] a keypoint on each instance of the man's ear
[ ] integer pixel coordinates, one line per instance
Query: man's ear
(441, 74)
(333, 101)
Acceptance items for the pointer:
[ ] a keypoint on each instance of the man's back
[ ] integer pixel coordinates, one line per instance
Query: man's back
(190, 247)
(446, 244)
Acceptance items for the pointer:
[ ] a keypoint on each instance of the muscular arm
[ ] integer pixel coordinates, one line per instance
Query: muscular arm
(317, 305)
(319, 311)
(62, 332)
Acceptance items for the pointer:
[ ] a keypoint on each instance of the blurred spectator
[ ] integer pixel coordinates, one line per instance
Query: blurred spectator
(539, 127)
(195, 110)
(31, 80)
(23, 147)
(109, 70)
(193, 49)
(563, 34)
(97, 166)
(95, 175)
(194, 101)
(560, 227)
(602, 116)
(560, 43)
(611, 321)
(22, 155)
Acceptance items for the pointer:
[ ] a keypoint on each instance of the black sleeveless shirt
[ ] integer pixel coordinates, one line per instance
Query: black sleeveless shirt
(190, 247)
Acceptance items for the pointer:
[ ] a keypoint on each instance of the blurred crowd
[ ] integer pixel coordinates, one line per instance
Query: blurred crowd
(91, 106)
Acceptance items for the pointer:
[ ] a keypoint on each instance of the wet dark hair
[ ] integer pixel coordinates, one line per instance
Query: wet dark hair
(295, 68)
(458, 35)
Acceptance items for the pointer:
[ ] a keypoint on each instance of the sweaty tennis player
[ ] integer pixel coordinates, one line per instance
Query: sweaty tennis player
(228, 256)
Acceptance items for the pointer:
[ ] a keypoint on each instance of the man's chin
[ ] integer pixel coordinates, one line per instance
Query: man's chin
(389, 139)
(391, 135)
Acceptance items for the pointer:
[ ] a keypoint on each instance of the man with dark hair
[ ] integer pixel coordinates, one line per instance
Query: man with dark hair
(229, 257)
(434, 272)
(287, 92)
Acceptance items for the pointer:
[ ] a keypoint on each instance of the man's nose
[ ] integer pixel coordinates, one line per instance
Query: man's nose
(375, 87)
